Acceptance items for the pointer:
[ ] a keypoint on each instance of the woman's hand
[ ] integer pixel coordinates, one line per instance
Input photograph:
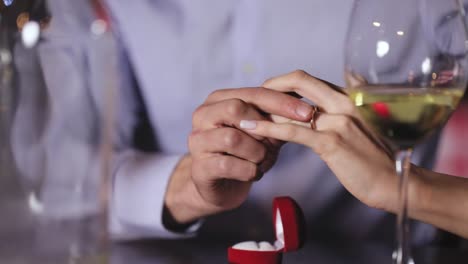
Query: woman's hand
(361, 162)
(359, 159)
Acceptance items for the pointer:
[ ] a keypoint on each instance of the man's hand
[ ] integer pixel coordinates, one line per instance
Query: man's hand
(224, 161)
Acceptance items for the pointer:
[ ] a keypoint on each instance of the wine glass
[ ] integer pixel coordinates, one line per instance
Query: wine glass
(406, 71)
(56, 94)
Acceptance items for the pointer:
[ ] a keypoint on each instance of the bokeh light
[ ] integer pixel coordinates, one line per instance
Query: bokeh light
(8, 2)
(22, 19)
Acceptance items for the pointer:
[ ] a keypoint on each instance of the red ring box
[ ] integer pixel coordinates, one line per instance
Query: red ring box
(289, 225)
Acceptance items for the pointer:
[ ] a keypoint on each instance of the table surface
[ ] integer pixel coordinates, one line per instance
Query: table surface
(210, 251)
(196, 251)
(205, 250)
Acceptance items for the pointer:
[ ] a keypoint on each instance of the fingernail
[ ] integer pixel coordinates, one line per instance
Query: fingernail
(247, 124)
(304, 110)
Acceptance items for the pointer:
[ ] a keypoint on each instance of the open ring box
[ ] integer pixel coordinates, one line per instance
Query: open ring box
(289, 225)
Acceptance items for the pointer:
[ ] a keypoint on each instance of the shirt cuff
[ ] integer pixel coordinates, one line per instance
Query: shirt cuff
(139, 189)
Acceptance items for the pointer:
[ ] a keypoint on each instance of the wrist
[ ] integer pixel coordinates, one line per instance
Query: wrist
(420, 192)
(417, 192)
(172, 224)
(180, 202)
(383, 193)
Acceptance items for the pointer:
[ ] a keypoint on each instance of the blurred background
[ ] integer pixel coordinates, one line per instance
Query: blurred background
(54, 142)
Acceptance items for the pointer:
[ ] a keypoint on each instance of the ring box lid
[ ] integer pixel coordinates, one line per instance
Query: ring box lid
(289, 226)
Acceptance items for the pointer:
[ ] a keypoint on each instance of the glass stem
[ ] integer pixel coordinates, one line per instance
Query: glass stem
(402, 163)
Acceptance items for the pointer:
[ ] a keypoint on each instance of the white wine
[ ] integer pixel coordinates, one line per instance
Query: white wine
(403, 115)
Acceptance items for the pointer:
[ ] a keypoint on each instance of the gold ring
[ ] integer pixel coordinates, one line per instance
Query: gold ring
(315, 110)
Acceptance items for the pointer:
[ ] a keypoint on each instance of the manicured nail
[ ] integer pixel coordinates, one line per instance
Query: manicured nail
(247, 124)
(304, 110)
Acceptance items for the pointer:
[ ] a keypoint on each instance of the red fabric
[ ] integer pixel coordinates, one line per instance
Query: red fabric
(293, 222)
(237, 256)
(452, 157)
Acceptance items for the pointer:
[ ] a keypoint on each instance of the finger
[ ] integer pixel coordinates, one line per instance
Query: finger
(213, 167)
(343, 125)
(281, 120)
(353, 79)
(267, 100)
(330, 133)
(228, 140)
(326, 95)
(224, 113)
(323, 122)
(316, 140)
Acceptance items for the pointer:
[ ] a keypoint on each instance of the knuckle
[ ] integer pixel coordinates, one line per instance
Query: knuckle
(348, 107)
(236, 107)
(232, 138)
(344, 123)
(251, 172)
(192, 139)
(190, 142)
(225, 164)
(214, 94)
(334, 139)
(262, 155)
(267, 82)
(197, 115)
(217, 95)
(299, 75)
(331, 143)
